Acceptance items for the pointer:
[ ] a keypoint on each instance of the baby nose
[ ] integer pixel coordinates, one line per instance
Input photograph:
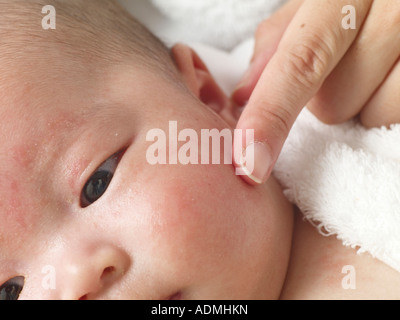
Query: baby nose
(88, 276)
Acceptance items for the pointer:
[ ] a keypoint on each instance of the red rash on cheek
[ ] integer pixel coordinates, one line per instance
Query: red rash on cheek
(22, 155)
(15, 205)
(16, 214)
(16, 201)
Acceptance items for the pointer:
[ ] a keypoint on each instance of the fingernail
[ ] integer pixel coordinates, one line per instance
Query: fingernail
(256, 161)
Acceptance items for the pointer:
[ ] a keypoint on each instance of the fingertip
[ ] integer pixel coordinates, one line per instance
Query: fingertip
(255, 163)
(250, 181)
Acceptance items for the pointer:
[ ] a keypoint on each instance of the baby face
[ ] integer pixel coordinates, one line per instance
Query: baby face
(84, 215)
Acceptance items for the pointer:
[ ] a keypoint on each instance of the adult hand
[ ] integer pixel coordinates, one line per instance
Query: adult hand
(305, 56)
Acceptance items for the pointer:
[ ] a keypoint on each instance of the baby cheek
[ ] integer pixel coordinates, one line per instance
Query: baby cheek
(193, 226)
(13, 210)
(17, 213)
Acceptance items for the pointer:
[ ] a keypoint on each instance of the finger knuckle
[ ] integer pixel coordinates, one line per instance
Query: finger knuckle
(278, 118)
(309, 61)
(325, 112)
(334, 116)
(322, 106)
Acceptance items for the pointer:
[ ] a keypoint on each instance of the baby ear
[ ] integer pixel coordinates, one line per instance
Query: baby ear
(199, 80)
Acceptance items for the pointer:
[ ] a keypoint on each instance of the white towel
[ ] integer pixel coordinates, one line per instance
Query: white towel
(346, 181)
(222, 24)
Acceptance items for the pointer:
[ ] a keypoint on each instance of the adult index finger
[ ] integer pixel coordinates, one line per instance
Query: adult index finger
(313, 44)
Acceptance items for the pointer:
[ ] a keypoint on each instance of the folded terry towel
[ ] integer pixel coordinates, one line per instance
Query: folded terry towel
(346, 181)
(222, 24)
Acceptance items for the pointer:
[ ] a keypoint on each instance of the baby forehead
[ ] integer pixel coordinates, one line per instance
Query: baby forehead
(31, 125)
(40, 110)
(36, 101)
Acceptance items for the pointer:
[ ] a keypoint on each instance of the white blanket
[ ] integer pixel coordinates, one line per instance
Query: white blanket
(222, 24)
(346, 181)
(344, 178)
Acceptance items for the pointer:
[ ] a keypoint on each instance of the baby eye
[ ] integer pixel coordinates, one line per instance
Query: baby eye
(12, 289)
(98, 183)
